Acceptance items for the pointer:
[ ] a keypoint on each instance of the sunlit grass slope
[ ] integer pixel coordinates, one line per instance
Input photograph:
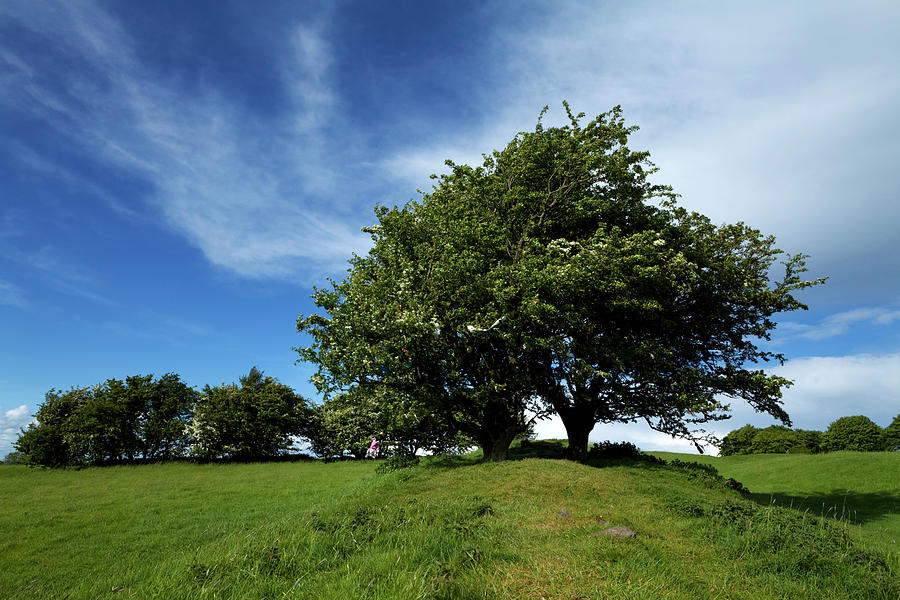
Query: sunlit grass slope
(521, 529)
(862, 488)
(91, 531)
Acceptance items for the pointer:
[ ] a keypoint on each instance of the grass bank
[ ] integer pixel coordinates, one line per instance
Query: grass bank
(529, 528)
(861, 488)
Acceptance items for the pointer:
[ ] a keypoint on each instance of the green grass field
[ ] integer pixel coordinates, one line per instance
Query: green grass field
(860, 488)
(448, 529)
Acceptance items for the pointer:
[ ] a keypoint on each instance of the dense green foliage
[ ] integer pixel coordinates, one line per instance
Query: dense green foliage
(857, 433)
(556, 277)
(777, 439)
(346, 423)
(524, 529)
(891, 436)
(738, 441)
(256, 419)
(151, 420)
(111, 422)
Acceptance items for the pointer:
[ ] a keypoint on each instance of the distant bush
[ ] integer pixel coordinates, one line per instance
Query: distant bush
(808, 442)
(857, 433)
(254, 420)
(114, 421)
(890, 437)
(738, 441)
(775, 439)
(708, 475)
(615, 450)
(14, 458)
(141, 419)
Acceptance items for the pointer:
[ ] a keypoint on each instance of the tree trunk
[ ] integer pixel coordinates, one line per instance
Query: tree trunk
(578, 424)
(496, 447)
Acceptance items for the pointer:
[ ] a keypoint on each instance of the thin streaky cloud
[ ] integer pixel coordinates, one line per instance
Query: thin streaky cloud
(12, 295)
(216, 182)
(47, 266)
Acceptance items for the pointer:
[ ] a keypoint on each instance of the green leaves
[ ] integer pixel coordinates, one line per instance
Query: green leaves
(254, 420)
(110, 422)
(556, 276)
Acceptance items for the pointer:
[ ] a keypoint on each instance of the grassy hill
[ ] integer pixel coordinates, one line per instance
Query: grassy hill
(528, 528)
(862, 488)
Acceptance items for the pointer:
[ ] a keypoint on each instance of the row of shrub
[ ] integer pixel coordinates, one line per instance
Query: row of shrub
(857, 433)
(141, 419)
(146, 419)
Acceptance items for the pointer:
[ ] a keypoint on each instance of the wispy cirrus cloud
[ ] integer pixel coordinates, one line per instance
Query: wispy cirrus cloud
(12, 295)
(55, 271)
(257, 203)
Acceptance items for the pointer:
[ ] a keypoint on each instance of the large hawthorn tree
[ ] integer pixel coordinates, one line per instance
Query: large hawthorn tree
(414, 316)
(556, 277)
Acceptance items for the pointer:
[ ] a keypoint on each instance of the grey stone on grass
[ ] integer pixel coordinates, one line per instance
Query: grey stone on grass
(565, 514)
(619, 531)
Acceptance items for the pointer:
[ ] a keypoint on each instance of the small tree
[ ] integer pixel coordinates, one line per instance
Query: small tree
(890, 438)
(14, 458)
(857, 433)
(350, 421)
(104, 429)
(347, 422)
(775, 439)
(257, 419)
(51, 440)
(738, 441)
(166, 412)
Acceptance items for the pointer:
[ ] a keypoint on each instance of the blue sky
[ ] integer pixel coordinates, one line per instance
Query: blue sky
(176, 176)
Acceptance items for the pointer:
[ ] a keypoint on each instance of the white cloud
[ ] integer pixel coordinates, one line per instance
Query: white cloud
(10, 423)
(837, 324)
(57, 272)
(829, 387)
(825, 389)
(308, 76)
(778, 115)
(638, 434)
(255, 200)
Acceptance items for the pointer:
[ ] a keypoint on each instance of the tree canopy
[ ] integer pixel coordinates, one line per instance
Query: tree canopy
(110, 422)
(858, 433)
(557, 278)
(152, 420)
(891, 435)
(257, 419)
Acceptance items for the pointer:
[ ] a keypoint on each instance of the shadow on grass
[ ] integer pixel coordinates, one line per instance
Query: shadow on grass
(549, 449)
(855, 507)
(537, 449)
